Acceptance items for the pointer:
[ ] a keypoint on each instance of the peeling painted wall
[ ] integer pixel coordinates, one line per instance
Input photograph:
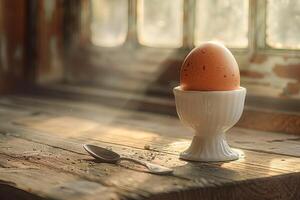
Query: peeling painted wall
(272, 75)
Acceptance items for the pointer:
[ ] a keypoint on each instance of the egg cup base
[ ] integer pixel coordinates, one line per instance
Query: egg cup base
(213, 149)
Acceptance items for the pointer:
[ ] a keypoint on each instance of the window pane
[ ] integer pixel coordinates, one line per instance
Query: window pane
(109, 22)
(160, 22)
(222, 20)
(283, 23)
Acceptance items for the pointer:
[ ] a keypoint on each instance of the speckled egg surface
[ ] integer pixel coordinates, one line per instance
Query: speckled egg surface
(210, 67)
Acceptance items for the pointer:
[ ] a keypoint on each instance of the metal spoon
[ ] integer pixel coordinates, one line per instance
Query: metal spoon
(109, 156)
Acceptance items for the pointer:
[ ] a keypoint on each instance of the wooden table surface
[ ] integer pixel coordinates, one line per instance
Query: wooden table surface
(41, 156)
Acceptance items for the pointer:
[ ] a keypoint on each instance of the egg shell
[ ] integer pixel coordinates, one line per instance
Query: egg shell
(210, 67)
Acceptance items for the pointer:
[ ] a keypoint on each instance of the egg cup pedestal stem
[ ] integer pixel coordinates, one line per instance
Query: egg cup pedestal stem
(209, 149)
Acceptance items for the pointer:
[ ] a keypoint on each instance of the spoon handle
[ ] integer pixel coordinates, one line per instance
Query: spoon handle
(153, 168)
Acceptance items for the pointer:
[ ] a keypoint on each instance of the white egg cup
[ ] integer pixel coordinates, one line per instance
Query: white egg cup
(210, 114)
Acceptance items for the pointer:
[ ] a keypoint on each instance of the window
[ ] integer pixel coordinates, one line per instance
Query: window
(160, 22)
(109, 22)
(225, 21)
(239, 24)
(283, 24)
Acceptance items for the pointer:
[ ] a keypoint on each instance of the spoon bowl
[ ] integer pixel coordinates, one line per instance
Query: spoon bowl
(102, 154)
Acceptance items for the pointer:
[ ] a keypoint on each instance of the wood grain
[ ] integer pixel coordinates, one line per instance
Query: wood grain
(159, 125)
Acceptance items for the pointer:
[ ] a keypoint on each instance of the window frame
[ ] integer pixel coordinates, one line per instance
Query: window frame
(256, 30)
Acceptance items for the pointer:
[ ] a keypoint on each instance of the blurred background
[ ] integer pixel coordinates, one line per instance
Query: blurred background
(129, 52)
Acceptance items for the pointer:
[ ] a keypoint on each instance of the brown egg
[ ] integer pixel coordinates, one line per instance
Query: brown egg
(210, 67)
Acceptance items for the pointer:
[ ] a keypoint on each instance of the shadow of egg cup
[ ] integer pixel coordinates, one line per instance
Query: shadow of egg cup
(210, 114)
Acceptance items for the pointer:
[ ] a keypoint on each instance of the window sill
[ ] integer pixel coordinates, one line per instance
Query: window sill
(260, 113)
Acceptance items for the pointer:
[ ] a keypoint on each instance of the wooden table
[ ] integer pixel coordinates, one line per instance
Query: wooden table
(41, 156)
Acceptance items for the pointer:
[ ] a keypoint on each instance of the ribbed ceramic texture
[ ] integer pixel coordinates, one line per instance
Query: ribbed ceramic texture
(210, 114)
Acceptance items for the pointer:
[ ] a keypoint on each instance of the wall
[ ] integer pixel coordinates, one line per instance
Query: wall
(31, 42)
(49, 40)
(273, 75)
(12, 44)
